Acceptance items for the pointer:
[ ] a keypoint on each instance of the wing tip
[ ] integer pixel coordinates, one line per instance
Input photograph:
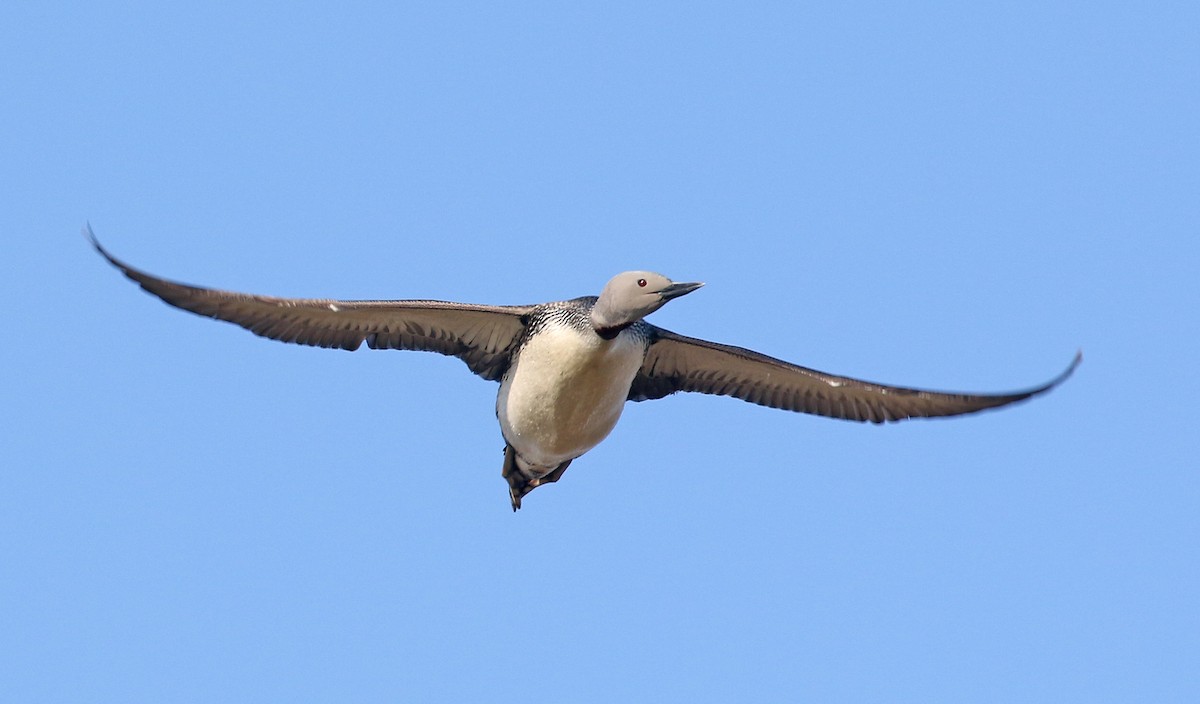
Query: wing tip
(1075, 362)
(1058, 380)
(90, 236)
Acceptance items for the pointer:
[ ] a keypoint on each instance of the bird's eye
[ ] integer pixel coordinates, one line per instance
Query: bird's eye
(642, 283)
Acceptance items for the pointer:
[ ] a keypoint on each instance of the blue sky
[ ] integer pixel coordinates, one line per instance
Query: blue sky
(945, 195)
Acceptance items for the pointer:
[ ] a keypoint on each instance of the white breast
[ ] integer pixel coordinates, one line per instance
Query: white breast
(565, 392)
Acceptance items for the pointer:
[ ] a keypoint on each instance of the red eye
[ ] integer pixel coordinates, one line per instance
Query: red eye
(642, 283)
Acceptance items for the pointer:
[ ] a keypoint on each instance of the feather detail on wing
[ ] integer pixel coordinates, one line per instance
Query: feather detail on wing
(678, 363)
(482, 336)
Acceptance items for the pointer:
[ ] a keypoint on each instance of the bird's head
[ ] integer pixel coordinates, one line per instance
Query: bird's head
(631, 296)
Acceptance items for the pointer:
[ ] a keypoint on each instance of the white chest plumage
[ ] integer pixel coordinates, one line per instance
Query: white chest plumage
(565, 391)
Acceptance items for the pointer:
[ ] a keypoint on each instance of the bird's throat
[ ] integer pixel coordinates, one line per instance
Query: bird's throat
(611, 332)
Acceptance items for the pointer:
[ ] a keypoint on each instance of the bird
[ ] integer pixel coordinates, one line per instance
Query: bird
(567, 368)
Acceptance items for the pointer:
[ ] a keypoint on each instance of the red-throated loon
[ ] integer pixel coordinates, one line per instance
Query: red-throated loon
(567, 368)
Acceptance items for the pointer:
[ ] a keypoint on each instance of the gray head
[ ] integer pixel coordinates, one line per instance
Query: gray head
(629, 297)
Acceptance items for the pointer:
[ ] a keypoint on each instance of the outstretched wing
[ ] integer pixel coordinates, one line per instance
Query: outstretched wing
(678, 363)
(482, 336)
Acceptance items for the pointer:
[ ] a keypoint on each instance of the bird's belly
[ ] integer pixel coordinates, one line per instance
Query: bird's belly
(565, 393)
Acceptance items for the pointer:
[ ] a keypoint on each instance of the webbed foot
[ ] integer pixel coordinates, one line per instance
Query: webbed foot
(520, 483)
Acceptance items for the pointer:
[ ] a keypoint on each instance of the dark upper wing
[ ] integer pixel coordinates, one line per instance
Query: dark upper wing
(481, 336)
(678, 363)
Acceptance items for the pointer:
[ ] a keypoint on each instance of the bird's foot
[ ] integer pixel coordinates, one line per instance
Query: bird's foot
(519, 482)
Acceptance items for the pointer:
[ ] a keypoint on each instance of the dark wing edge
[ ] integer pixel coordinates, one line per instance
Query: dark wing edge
(678, 363)
(482, 336)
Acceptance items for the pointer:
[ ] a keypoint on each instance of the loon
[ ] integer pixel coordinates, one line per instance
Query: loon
(567, 368)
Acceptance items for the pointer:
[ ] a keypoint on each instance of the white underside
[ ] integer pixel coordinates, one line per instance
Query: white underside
(565, 393)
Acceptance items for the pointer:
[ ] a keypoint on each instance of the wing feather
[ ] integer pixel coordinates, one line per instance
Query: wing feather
(483, 336)
(678, 363)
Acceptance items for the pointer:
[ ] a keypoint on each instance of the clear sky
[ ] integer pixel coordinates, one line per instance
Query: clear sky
(947, 195)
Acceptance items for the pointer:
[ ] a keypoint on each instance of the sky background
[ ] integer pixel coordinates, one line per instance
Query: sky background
(946, 195)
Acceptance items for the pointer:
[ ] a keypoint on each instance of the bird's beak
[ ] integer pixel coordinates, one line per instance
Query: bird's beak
(677, 290)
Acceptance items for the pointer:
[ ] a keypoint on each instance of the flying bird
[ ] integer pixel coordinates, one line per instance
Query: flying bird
(566, 368)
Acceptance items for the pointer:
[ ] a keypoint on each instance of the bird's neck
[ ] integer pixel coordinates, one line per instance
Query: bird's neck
(610, 332)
